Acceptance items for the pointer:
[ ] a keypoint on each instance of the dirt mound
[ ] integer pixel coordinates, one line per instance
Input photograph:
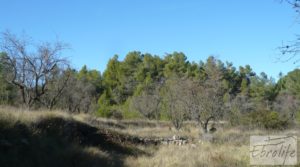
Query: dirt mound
(57, 141)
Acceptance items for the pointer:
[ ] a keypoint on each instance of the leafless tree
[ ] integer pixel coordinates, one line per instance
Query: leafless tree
(174, 103)
(56, 88)
(294, 3)
(287, 105)
(77, 95)
(237, 107)
(290, 50)
(32, 66)
(147, 105)
(148, 102)
(210, 104)
(201, 100)
(205, 98)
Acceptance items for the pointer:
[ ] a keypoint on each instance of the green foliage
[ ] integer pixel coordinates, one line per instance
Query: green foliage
(131, 114)
(234, 117)
(292, 82)
(112, 72)
(176, 63)
(8, 92)
(112, 93)
(298, 117)
(265, 119)
(123, 111)
(104, 103)
(164, 112)
(103, 111)
(91, 76)
(127, 79)
(272, 121)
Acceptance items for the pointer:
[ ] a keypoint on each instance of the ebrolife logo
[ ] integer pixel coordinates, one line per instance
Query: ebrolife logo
(273, 150)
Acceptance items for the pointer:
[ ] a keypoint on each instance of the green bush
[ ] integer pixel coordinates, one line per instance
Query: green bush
(234, 117)
(110, 112)
(103, 111)
(118, 112)
(131, 114)
(265, 119)
(128, 111)
(272, 120)
(298, 117)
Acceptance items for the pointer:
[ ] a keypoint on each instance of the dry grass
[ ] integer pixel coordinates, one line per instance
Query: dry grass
(142, 128)
(230, 146)
(195, 155)
(13, 114)
(44, 138)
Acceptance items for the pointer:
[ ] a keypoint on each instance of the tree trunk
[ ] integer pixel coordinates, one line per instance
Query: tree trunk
(205, 124)
(204, 127)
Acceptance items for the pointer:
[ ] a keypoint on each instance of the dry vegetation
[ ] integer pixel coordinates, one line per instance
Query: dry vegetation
(56, 138)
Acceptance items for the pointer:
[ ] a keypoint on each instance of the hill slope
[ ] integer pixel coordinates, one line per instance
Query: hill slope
(57, 139)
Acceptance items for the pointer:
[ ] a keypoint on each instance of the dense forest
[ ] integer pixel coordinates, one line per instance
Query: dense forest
(146, 86)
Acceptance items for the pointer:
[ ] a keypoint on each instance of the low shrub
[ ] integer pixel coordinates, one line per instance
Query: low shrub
(298, 117)
(265, 119)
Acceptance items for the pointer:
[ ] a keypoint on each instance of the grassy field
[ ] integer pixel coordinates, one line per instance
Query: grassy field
(43, 138)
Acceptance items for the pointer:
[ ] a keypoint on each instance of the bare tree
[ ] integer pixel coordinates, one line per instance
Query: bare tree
(56, 88)
(201, 100)
(174, 101)
(32, 66)
(237, 107)
(147, 105)
(204, 99)
(77, 95)
(291, 49)
(149, 101)
(294, 3)
(205, 103)
(287, 105)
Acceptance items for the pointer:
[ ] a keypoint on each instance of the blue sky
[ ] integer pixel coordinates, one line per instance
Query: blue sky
(242, 32)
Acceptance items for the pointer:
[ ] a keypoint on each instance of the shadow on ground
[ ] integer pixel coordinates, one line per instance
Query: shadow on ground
(58, 142)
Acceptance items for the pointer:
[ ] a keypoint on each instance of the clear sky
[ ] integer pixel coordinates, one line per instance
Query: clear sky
(239, 31)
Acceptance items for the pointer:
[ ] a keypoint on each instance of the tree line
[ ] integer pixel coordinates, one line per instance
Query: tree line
(172, 88)
(146, 86)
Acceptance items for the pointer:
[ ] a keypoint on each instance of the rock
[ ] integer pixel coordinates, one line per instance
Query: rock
(165, 142)
(174, 137)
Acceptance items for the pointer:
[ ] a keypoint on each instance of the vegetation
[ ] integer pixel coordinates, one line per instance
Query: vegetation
(54, 138)
(58, 139)
(54, 115)
(146, 86)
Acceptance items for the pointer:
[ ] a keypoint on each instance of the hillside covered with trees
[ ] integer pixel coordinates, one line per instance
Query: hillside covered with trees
(165, 87)
(143, 109)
